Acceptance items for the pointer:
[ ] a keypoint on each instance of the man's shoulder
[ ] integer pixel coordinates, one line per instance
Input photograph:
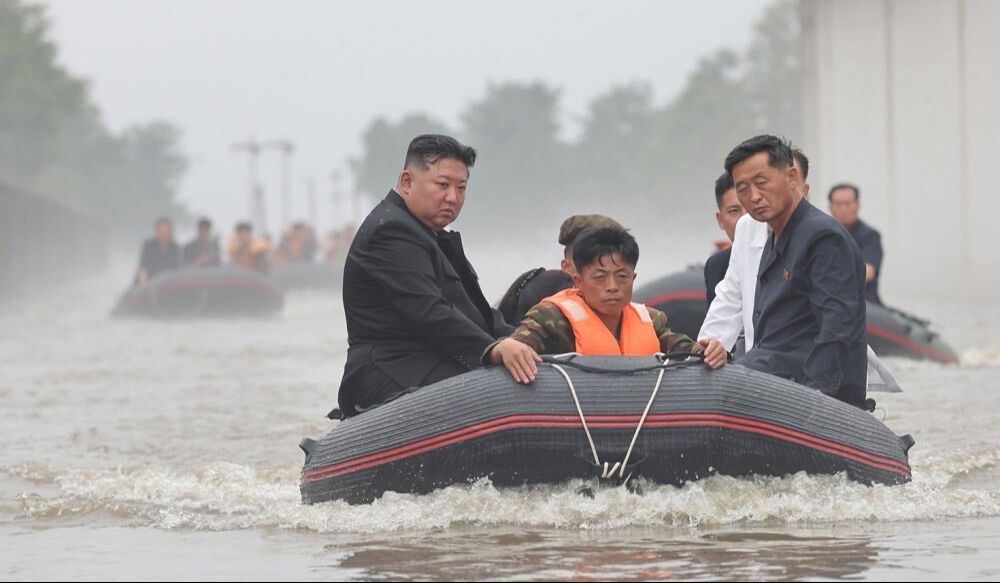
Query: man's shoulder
(545, 311)
(719, 259)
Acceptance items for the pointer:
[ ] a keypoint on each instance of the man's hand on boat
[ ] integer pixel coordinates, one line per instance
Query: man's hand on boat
(714, 352)
(522, 361)
(519, 358)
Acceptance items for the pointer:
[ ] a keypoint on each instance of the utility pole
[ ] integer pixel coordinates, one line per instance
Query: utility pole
(286, 148)
(311, 201)
(255, 196)
(337, 194)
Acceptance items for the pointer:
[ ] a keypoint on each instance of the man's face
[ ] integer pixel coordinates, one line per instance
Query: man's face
(244, 236)
(204, 232)
(435, 195)
(844, 206)
(764, 191)
(164, 231)
(606, 284)
(730, 213)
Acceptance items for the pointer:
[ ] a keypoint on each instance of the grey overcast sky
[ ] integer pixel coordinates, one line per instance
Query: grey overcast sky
(318, 72)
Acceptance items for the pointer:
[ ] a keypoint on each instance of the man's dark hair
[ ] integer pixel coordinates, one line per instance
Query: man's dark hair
(779, 152)
(426, 149)
(722, 185)
(803, 163)
(836, 187)
(204, 223)
(596, 242)
(243, 226)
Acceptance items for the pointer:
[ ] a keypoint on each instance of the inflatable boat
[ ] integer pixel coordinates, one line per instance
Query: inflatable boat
(308, 276)
(681, 296)
(209, 291)
(606, 418)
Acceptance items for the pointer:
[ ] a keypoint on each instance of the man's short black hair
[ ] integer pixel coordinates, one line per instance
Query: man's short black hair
(426, 149)
(723, 184)
(596, 242)
(204, 223)
(800, 157)
(779, 152)
(243, 226)
(835, 187)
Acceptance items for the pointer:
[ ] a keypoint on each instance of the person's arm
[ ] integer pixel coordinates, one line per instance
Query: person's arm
(838, 303)
(544, 330)
(398, 263)
(872, 253)
(714, 353)
(724, 319)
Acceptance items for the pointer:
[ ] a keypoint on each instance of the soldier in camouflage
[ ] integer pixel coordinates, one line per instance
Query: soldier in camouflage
(597, 317)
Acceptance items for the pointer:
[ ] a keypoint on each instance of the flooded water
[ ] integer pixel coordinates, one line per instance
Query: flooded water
(148, 449)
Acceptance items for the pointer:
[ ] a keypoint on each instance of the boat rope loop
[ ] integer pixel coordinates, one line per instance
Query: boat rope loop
(608, 471)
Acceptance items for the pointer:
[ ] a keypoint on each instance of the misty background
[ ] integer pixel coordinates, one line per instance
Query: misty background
(115, 112)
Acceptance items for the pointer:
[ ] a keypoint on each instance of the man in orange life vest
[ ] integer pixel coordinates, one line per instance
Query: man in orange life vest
(597, 317)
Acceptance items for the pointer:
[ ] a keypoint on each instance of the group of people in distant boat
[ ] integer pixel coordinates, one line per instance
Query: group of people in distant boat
(794, 282)
(297, 245)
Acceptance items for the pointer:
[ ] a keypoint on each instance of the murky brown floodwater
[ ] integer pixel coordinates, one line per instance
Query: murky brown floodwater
(147, 449)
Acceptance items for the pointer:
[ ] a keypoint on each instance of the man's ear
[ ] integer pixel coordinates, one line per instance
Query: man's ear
(577, 280)
(405, 182)
(793, 175)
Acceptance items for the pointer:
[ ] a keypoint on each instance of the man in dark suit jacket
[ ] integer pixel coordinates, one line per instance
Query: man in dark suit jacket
(844, 206)
(809, 306)
(415, 311)
(729, 213)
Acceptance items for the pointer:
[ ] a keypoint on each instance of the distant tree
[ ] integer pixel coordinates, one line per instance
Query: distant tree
(773, 78)
(385, 146)
(53, 141)
(520, 170)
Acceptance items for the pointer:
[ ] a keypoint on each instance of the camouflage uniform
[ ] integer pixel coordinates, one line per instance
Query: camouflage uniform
(547, 330)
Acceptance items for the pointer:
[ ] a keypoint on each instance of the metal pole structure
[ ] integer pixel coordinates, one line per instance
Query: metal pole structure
(337, 194)
(311, 201)
(286, 148)
(254, 198)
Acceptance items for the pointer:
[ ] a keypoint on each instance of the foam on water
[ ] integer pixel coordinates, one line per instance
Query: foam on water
(226, 496)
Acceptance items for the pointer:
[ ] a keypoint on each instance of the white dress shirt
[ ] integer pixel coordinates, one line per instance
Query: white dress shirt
(732, 310)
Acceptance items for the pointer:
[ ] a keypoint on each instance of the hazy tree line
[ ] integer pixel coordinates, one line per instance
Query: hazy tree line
(53, 140)
(645, 158)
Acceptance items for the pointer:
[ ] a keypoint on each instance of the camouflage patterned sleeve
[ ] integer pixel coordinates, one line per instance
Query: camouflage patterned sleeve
(545, 329)
(671, 341)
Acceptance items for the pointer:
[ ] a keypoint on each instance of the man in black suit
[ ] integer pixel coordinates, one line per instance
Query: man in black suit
(809, 305)
(729, 213)
(415, 311)
(844, 206)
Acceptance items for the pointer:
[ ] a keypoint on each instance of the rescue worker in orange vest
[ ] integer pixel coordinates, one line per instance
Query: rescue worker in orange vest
(247, 252)
(597, 317)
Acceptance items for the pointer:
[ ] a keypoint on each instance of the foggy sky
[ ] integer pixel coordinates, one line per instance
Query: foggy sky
(318, 73)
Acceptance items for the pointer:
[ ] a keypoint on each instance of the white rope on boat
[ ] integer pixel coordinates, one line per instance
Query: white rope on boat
(608, 472)
(579, 410)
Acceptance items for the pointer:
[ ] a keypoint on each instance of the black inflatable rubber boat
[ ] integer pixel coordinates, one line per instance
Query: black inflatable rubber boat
(732, 421)
(209, 291)
(891, 332)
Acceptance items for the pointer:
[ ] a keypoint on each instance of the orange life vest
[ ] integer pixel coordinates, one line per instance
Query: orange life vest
(638, 337)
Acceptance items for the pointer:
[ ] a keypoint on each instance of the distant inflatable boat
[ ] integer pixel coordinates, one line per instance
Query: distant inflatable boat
(210, 291)
(308, 276)
(607, 417)
(891, 332)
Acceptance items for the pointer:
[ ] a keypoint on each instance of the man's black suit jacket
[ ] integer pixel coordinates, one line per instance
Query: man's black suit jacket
(413, 304)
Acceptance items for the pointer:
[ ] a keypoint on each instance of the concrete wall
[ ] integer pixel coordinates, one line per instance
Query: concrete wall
(43, 243)
(903, 99)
